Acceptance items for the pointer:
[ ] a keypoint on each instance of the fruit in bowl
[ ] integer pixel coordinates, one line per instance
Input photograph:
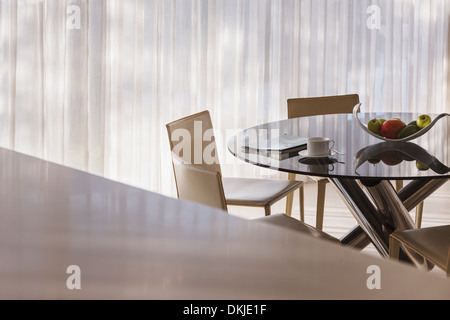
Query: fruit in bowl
(408, 130)
(395, 128)
(374, 125)
(391, 128)
(423, 121)
(391, 158)
(421, 166)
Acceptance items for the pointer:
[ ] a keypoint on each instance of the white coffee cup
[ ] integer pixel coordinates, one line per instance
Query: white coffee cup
(319, 146)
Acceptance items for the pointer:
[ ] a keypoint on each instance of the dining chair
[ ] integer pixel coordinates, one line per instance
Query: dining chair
(196, 133)
(305, 107)
(432, 243)
(204, 186)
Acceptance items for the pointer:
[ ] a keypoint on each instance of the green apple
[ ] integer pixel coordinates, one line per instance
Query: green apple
(407, 131)
(421, 166)
(374, 125)
(423, 121)
(382, 120)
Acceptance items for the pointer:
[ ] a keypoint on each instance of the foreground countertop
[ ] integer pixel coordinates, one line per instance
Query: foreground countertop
(130, 243)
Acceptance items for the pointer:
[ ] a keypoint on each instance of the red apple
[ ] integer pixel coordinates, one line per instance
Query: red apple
(391, 158)
(391, 128)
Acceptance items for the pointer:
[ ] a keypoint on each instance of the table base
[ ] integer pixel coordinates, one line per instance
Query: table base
(380, 210)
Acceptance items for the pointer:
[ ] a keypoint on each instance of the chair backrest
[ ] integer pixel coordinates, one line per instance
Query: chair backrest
(198, 185)
(192, 139)
(305, 107)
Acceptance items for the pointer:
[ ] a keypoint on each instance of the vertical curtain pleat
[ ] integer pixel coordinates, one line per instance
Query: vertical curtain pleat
(8, 55)
(28, 103)
(116, 122)
(97, 97)
(76, 91)
(54, 81)
(96, 86)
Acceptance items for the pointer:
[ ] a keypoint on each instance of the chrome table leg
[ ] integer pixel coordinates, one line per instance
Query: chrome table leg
(411, 195)
(369, 218)
(397, 216)
(417, 191)
(356, 238)
(381, 211)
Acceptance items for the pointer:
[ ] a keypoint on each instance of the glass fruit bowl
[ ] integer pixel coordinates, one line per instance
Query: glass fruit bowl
(408, 138)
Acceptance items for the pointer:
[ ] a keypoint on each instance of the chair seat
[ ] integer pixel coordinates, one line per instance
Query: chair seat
(317, 179)
(432, 243)
(293, 224)
(257, 192)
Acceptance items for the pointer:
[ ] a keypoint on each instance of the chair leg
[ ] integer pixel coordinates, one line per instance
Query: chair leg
(321, 186)
(301, 196)
(290, 197)
(448, 263)
(267, 210)
(394, 249)
(419, 210)
(398, 185)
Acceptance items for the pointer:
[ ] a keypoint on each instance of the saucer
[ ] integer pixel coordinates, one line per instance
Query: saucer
(304, 153)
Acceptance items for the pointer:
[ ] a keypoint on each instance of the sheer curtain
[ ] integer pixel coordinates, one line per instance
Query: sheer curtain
(91, 84)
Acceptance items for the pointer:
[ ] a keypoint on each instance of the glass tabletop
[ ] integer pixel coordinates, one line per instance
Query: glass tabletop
(356, 154)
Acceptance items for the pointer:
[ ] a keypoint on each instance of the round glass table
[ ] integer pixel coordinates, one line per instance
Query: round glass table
(361, 167)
